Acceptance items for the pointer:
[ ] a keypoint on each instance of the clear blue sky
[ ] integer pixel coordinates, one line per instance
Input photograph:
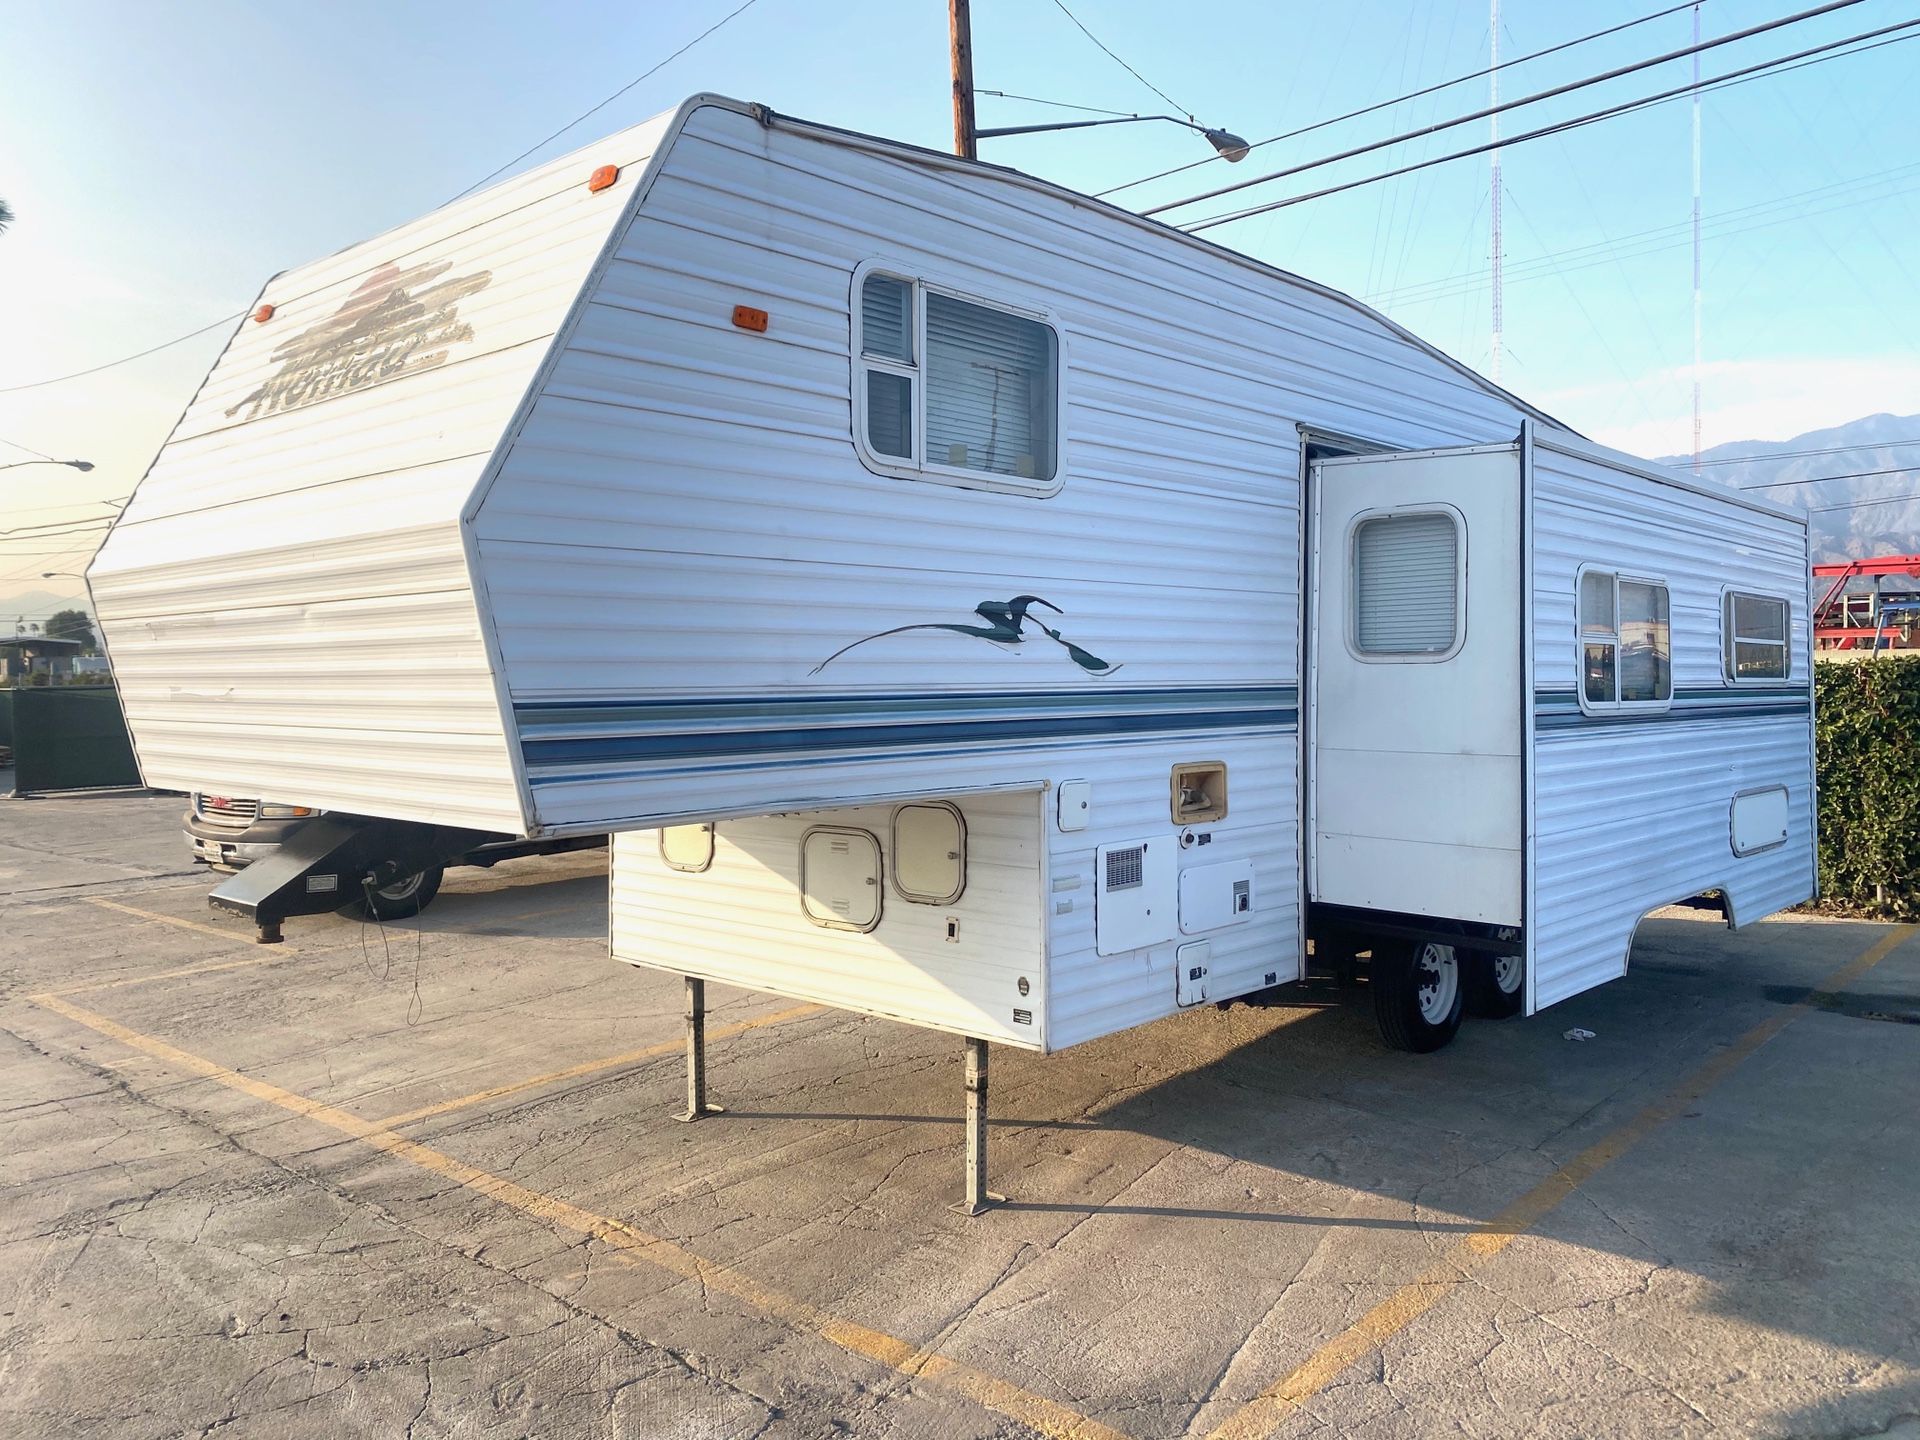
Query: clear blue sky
(163, 160)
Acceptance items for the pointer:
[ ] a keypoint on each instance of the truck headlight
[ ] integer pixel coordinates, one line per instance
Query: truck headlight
(285, 812)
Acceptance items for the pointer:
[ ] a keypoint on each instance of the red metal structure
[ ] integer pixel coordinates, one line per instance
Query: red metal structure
(1888, 626)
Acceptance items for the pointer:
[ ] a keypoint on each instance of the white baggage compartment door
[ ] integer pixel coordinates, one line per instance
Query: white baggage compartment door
(1415, 800)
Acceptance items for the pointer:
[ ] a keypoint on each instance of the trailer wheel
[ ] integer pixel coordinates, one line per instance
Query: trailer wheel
(1416, 993)
(1496, 986)
(405, 897)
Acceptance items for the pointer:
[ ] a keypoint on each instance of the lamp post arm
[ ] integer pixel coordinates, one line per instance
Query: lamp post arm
(1081, 125)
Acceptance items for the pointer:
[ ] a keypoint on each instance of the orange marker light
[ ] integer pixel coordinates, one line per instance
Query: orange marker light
(263, 314)
(748, 318)
(602, 178)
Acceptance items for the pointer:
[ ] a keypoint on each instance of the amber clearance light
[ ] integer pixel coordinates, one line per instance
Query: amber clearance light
(602, 178)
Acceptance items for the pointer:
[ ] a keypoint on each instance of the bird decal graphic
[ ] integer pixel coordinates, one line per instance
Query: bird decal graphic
(1006, 625)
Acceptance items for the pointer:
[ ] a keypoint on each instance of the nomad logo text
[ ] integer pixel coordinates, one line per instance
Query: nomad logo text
(396, 323)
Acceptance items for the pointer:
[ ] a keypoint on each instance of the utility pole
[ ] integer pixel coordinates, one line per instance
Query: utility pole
(1499, 318)
(1696, 241)
(960, 32)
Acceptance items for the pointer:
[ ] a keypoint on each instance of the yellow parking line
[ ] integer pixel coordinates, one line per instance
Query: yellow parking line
(239, 937)
(1283, 1398)
(1048, 1417)
(591, 1067)
(267, 955)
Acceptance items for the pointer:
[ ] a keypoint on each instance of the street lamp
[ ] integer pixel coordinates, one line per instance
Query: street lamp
(82, 465)
(1229, 145)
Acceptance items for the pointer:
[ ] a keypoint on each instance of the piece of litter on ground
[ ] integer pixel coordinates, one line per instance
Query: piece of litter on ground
(1578, 1034)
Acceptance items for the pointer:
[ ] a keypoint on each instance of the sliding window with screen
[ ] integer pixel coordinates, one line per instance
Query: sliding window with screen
(953, 389)
(1625, 642)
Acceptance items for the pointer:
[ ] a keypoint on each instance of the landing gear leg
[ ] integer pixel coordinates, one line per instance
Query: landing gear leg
(978, 1197)
(697, 1105)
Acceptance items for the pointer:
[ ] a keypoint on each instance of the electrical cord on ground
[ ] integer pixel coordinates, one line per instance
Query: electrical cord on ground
(369, 911)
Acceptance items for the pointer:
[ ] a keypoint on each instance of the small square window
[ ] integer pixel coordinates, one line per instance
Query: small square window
(929, 853)
(890, 413)
(687, 847)
(1755, 631)
(1625, 641)
(886, 319)
(1406, 585)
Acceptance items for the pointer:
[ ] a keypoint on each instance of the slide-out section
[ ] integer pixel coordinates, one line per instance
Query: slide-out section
(1672, 756)
(928, 911)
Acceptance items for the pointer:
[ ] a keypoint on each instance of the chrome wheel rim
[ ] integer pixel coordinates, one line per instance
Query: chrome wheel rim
(401, 889)
(1438, 973)
(1508, 972)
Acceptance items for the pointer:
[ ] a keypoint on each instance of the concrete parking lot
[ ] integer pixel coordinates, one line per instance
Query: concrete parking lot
(425, 1181)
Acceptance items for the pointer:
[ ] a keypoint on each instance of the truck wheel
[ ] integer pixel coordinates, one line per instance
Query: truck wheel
(399, 900)
(1416, 993)
(1496, 986)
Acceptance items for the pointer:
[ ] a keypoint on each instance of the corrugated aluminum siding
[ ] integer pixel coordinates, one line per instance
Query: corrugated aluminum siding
(287, 597)
(686, 498)
(1633, 811)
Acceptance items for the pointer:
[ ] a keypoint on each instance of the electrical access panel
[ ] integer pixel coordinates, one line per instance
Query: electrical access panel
(1134, 901)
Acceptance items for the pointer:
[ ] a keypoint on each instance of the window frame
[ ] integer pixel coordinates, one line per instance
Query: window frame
(960, 878)
(1729, 638)
(829, 922)
(1352, 628)
(919, 467)
(684, 867)
(1615, 705)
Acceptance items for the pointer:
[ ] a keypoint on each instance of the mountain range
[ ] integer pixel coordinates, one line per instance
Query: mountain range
(1865, 498)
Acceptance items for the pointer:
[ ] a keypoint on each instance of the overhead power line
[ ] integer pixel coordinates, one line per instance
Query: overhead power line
(1121, 63)
(1801, 454)
(1488, 111)
(1862, 504)
(1739, 220)
(55, 527)
(1778, 66)
(1402, 99)
(1817, 479)
(228, 319)
(124, 359)
(28, 448)
(646, 74)
(1057, 104)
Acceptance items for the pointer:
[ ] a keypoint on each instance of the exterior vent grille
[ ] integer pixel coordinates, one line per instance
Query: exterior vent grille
(1126, 868)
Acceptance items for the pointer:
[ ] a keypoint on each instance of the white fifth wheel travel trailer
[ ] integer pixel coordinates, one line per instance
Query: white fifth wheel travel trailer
(968, 602)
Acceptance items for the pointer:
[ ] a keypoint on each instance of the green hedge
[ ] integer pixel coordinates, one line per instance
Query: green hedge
(1868, 756)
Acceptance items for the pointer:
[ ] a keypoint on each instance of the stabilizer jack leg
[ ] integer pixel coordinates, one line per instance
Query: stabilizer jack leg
(978, 1197)
(697, 1105)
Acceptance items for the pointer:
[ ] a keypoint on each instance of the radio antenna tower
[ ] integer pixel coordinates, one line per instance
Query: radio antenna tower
(1696, 239)
(1493, 82)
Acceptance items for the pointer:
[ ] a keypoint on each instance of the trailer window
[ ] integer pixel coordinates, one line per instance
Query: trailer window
(1407, 568)
(950, 388)
(1754, 637)
(687, 847)
(1626, 641)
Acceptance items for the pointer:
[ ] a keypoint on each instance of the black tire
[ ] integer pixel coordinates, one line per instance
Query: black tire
(1495, 985)
(398, 901)
(1416, 993)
